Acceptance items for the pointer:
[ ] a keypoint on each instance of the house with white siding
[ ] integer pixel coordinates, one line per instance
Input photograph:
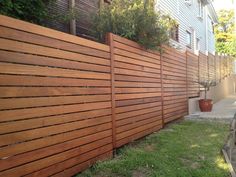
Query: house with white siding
(195, 24)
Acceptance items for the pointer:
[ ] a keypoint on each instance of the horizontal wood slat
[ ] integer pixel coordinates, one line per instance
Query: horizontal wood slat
(55, 101)
(67, 102)
(42, 31)
(137, 90)
(192, 74)
(174, 83)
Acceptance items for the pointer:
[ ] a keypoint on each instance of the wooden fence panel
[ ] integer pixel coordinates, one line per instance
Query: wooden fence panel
(217, 68)
(230, 65)
(223, 67)
(203, 67)
(174, 84)
(137, 86)
(211, 67)
(55, 101)
(67, 102)
(192, 74)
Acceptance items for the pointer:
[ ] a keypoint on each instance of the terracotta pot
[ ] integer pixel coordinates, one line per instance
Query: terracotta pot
(205, 105)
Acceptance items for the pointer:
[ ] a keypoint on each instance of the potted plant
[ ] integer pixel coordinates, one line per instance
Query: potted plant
(206, 104)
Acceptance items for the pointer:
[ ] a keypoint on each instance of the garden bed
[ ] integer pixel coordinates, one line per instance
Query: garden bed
(189, 148)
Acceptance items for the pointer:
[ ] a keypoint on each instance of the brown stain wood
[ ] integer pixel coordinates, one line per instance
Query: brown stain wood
(67, 102)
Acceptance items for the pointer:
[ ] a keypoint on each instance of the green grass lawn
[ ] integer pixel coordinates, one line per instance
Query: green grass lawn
(186, 149)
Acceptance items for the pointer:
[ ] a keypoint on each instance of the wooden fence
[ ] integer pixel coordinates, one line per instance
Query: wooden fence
(137, 90)
(55, 92)
(192, 74)
(174, 78)
(66, 102)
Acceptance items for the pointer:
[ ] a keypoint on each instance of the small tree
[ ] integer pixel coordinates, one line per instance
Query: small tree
(206, 84)
(224, 32)
(136, 20)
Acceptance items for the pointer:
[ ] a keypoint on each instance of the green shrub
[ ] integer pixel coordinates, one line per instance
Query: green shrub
(136, 20)
(34, 11)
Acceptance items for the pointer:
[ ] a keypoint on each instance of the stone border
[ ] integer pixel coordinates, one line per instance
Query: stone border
(230, 145)
(231, 169)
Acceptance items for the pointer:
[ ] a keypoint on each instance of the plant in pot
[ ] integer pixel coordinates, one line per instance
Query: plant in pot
(206, 104)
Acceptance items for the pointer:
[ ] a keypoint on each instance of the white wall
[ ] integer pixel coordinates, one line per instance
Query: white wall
(187, 18)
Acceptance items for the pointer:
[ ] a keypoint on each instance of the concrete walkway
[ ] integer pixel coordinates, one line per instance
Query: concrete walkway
(223, 110)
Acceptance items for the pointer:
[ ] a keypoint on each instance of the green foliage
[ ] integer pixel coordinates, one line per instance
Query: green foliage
(34, 11)
(225, 37)
(228, 47)
(136, 20)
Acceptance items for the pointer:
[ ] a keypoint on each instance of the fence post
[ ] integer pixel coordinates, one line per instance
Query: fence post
(187, 95)
(208, 67)
(110, 42)
(162, 89)
(199, 88)
(220, 65)
(72, 21)
(216, 64)
(214, 68)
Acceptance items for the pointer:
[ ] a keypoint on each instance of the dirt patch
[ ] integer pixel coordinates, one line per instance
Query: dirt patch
(187, 162)
(141, 172)
(149, 148)
(167, 130)
(106, 174)
(195, 165)
(202, 157)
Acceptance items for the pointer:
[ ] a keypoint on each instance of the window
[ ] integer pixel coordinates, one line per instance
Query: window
(197, 44)
(210, 24)
(200, 8)
(174, 33)
(189, 40)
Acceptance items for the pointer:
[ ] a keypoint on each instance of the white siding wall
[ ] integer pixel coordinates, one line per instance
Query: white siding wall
(211, 37)
(186, 16)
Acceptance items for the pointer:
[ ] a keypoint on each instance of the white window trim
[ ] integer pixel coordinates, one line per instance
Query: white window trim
(210, 23)
(198, 44)
(189, 45)
(200, 9)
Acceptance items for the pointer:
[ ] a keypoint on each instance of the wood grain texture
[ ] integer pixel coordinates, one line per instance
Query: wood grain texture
(192, 74)
(55, 101)
(175, 83)
(137, 74)
(67, 102)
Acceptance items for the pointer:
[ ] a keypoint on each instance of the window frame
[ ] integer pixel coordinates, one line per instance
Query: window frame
(197, 44)
(200, 9)
(189, 39)
(174, 33)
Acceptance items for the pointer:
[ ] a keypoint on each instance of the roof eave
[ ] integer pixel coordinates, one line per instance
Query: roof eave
(212, 12)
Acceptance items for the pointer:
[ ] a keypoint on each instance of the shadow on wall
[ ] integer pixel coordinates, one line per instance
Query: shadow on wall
(225, 88)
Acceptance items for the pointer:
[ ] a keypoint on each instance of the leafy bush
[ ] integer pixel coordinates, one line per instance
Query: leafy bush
(34, 11)
(136, 20)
